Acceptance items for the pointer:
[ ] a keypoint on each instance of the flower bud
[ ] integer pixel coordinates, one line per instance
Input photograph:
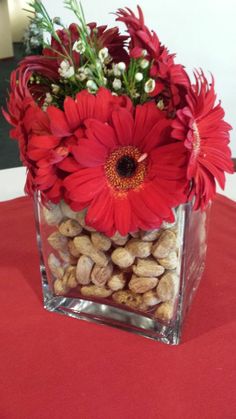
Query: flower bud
(79, 46)
(55, 88)
(91, 85)
(57, 20)
(144, 63)
(66, 70)
(121, 66)
(103, 54)
(138, 77)
(48, 98)
(116, 71)
(149, 86)
(116, 84)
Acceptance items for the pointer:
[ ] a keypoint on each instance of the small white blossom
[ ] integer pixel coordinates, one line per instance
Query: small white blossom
(138, 77)
(116, 84)
(144, 52)
(103, 54)
(87, 71)
(48, 98)
(66, 70)
(121, 66)
(47, 101)
(88, 30)
(79, 46)
(91, 86)
(98, 64)
(149, 86)
(57, 21)
(144, 63)
(116, 71)
(105, 81)
(81, 74)
(55, 88)
(161, 104)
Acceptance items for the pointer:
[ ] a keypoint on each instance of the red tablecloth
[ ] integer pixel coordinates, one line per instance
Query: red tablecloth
(52, 366)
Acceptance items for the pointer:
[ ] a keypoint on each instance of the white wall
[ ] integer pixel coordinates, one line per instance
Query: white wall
(201, 32)
(6, 49)
(18, 18)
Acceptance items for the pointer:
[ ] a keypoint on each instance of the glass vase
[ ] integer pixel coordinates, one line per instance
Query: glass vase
(143, 282)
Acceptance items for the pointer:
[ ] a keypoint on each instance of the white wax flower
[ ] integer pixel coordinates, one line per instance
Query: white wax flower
(79, 46)
(121, 66)
(88, 30)
(103, 54)
(48, 98)
(87, 71)
(116, 71)
(116, 84)
(91, 85)
(138, 77)
(149, 86)
(55, 88)
(144, 63)
(66, 70)
(98, 64)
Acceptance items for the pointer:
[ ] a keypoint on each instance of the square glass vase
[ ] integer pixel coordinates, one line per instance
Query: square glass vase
(143, 282)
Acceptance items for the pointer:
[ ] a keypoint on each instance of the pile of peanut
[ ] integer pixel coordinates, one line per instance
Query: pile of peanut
(137, 270)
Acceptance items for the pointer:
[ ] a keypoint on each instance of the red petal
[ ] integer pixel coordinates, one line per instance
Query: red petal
(85, 184)
(146, 116)
(156, 136)
(104, 133)
(71, 112)
(44, 141)
(122, 214)
(58, 122)
(85, 102)
(124, 125)
(69, 165)
(104, 104)
(89, 153)
(100, 213)
(147, 217)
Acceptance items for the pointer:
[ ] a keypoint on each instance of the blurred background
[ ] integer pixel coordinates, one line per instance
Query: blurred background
(202, 33)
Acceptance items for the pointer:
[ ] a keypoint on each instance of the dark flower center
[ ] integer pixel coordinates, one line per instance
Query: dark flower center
(126, 166)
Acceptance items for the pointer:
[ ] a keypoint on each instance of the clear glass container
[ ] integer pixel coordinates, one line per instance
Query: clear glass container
(143, 283)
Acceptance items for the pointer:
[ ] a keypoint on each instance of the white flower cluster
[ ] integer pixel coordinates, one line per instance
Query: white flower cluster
(66, 70)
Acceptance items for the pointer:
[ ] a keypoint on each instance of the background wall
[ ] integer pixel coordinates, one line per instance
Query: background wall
(202, 32)
(6, 49)
(18, 18)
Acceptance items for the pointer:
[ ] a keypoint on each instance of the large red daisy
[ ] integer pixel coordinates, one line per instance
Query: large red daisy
(55, 133)
(206, 136)
(131, 175)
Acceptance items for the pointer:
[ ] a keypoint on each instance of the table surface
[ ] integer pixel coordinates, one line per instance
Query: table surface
(52, 366)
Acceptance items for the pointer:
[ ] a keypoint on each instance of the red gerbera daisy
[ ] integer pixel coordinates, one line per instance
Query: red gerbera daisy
(131, 175)
(206, 135)
(54, 134)
(21, 102)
